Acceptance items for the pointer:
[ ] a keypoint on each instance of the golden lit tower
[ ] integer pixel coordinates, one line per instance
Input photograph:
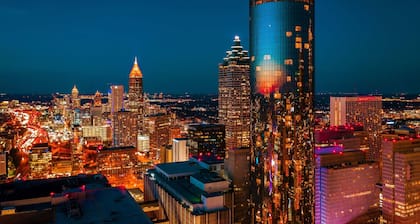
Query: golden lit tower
(135, 94)
(75, 97)
(97, 99)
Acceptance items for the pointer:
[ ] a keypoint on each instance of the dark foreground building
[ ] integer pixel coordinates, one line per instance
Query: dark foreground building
(282, 74)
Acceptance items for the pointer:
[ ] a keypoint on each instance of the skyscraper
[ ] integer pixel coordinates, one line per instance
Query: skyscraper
(234, 96)
(135, 94)
(345, 186)
(364, 110)
(124, 128)
(206, 140)
(117, 98)
(282, 74)
(401, 180)
(75, 100)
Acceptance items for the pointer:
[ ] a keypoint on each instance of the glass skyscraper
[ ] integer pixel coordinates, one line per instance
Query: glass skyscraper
(282, 74)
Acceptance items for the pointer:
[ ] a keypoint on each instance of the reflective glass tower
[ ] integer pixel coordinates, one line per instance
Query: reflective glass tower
(282, 74)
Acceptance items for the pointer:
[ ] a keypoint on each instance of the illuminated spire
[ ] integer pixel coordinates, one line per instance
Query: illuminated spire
(135, 71)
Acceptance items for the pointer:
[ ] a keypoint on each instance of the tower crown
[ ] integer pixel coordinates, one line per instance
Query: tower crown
(135, 71)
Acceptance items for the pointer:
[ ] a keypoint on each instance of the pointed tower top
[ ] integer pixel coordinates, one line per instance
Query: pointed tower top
(135, 71)
(75, 90)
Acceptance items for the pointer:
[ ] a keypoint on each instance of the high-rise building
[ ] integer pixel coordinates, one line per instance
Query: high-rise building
(180, 150)
(124, 128)
(158, 129)
(75, 100)
(135, 94)
(40, 160)
(365, 110)
(236, 167)
(97, 99)
(3, 165)
(116, 99)
(235, 96)
(206, 140)
(401, 180)
(282, 76)
(345, 187)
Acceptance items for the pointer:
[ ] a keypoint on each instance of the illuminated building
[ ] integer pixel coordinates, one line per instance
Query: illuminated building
(401, 181)
(102, 132)
(237, 169)
(365, 110)
(345, 187)
(75, 100)
(118, 161)
(188, 193)
(3, 165)
(282, 91)
(116, 98)
(97, 99)
(338, 136)
(143, 143)
(40, 160)
(180, 150)
(234, 96)
(158, 128)
(135, 94)
(206, 140)
(124, 128)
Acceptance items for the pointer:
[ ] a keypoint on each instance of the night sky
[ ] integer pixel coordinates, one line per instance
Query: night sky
(47, 46)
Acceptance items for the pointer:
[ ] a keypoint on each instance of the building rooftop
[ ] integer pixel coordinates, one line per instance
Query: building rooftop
(208, 177)
(109, 205)
(20, 190)
(178, 169)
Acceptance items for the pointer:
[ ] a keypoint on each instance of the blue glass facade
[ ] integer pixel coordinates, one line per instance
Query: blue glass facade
(282, 75)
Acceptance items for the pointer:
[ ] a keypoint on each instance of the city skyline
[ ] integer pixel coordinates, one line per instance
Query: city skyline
(49, 43)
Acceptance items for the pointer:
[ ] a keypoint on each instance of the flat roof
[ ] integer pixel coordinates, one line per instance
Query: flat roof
(208, 177)
(186, 168)
(108, 205)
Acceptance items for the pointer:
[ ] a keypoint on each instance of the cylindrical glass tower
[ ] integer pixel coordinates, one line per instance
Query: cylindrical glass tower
(282, 75)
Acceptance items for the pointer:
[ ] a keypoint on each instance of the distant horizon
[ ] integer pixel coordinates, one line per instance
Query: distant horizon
(49, 46)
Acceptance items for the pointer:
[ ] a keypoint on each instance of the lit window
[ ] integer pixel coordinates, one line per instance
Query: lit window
(306, 7)
(267, 57)
(258, 68)
(289, 33)
(288, 62)
(298, 28)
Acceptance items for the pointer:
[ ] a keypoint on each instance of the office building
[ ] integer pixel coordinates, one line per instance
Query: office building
(364, 110)
(282, 91)
(345, 187)
(401, 180)
(3, 165)
(143, 143)
(103, 132)
(40, 160)
(188, 193)
(75, 99)
(206, 140)
(179, 149)
(235, 96)
(236, 166)
(118, 161)
(135, 95)
(124, 128)
(158, 129)
(97, 99)
(116, 98)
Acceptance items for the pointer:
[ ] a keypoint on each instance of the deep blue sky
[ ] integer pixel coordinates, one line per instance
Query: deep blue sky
(47, 46)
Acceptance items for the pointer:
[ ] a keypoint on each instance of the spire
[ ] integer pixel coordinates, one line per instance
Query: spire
(135, 71)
